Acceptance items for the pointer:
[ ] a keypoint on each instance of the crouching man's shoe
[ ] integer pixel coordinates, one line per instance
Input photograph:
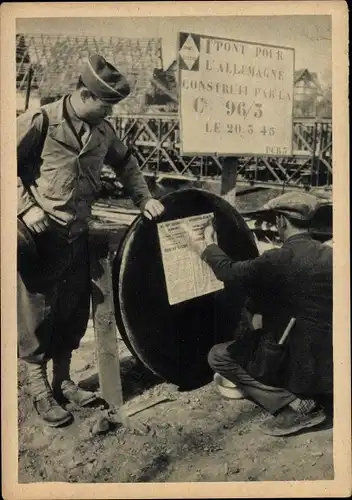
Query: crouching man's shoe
(290, 421)
(69, 391)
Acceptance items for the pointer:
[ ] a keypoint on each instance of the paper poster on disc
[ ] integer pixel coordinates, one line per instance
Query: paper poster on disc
(186, 275)
(236, 98)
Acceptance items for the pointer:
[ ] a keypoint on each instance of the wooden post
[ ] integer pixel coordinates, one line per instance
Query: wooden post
(312, 172)
(229, 179)
(104, 239)
(105, 331)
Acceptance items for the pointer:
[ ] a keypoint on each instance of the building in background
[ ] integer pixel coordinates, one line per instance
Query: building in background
(162, 95)
(310, 99)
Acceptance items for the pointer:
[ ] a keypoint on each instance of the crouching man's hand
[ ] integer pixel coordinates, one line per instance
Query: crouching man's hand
(153, 208)
(257, 321)
(36, 219)
(195, 239)
(209, 234)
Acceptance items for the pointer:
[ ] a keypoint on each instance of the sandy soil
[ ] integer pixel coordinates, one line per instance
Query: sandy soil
(195, 436)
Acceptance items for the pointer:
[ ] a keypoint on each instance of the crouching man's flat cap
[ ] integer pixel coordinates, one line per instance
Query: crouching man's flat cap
(295, 205)
(104, 81)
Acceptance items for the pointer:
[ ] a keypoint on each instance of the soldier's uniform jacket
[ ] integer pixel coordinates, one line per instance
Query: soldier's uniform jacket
(65, 180)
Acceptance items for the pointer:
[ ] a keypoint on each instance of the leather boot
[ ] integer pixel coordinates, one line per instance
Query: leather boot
(44, 403)
(289, 421)
(64, 388)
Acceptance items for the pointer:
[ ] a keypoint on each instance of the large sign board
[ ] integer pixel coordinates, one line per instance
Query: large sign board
(187, 276)
(236, 98)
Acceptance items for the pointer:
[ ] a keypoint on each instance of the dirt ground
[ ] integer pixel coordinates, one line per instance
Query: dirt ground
(194, 436)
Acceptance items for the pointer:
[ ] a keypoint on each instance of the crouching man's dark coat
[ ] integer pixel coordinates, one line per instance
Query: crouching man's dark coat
(292, 281)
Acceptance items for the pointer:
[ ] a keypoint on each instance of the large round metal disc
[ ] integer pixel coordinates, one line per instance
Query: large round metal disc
(174, 340)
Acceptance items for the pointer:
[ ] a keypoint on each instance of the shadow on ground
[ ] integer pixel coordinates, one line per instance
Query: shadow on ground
(136, 379)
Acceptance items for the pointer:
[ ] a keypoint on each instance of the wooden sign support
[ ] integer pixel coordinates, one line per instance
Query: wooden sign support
(104, 240)
(229, 179)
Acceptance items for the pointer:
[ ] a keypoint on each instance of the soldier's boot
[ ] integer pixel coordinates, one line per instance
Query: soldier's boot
(64, 388)
(43, 400)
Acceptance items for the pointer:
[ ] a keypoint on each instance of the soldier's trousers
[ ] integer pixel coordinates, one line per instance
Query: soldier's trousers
(53, 294)
(268, 397)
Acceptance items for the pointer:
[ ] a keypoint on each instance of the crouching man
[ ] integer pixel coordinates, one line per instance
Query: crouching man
(294, 281)
(61, 150)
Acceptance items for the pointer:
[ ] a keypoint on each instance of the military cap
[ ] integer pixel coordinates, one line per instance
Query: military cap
(104, 81)
(295, 205)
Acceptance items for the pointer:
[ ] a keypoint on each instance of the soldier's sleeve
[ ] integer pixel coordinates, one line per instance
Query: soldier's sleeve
(29, 127)
(126, 167)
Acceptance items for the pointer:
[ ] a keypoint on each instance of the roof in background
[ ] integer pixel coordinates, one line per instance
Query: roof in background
(57, 61)
(310, 76)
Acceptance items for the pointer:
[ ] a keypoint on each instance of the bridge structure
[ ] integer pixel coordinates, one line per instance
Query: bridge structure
(48, 66)
(155, 140)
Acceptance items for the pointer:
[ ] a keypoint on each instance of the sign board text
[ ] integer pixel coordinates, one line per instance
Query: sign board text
(236, 98)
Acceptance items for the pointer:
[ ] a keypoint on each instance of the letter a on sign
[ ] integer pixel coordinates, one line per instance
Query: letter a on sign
(189, 51)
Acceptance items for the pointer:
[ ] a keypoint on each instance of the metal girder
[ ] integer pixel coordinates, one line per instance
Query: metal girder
(155, 140)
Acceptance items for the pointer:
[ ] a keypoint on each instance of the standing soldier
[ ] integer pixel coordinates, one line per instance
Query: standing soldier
(61, 149)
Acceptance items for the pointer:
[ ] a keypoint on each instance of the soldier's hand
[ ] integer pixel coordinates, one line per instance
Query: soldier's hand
(36, 219)
(153, 208)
